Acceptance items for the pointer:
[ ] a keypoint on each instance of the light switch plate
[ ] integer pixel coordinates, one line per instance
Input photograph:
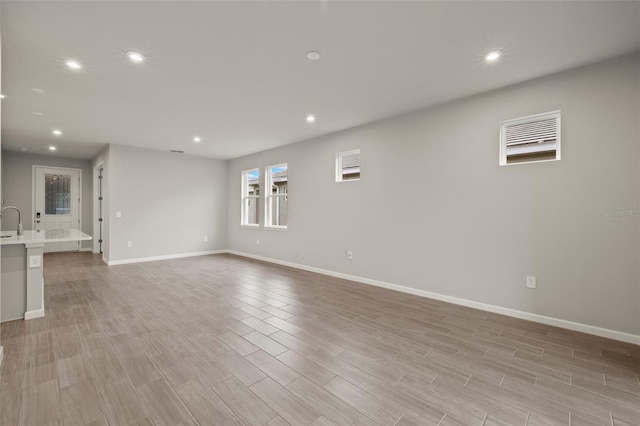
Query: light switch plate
(34, 261)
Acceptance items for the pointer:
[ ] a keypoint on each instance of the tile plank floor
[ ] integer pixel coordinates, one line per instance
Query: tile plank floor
(223, 340)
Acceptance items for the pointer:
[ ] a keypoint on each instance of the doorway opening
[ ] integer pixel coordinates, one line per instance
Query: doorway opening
(57, 203)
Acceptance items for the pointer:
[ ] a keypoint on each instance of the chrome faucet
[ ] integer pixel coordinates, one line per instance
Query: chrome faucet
(20, 229)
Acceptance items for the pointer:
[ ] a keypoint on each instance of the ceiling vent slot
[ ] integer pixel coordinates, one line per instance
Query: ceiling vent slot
(176, 151)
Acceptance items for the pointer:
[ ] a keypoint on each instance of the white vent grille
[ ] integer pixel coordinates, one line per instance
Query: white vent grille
(529, 139)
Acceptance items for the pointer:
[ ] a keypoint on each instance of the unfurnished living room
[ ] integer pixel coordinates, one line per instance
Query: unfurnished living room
(461, 244)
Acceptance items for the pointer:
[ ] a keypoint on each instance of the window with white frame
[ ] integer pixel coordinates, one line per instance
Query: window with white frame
(250, 197)
(348, 166)
(276, 196)
(530, 139)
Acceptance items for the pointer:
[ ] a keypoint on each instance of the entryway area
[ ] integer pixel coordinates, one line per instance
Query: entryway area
(57, 203)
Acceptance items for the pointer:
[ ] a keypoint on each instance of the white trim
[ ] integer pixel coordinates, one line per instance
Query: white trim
(86, 249)
(1, 355)
(105, 260)
(38, 313)
(251, 226)
(543, 319)
(275, 228)
(164, 257)
(95, 245)
(529, 162)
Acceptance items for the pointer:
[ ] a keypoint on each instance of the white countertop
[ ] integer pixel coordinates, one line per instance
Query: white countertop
(49, 236)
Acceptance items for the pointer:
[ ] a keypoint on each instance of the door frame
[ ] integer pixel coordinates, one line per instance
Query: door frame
(96, 208)
(33, 193)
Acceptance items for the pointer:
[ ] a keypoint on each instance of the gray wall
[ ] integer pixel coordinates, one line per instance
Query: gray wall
(1, 350)
(14, 282)
(434, 211)
(17, 180)
(169, 202)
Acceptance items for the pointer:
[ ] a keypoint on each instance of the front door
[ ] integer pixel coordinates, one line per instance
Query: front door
(57, 203)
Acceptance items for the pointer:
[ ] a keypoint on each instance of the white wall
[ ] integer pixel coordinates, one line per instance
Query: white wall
(435, 212)
(169, 202)
(17, 180)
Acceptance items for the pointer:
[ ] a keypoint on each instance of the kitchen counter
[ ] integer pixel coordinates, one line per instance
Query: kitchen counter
(22, 270)
(43, 237)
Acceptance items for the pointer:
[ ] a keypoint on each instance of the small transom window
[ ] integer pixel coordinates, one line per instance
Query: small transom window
(348, 166)
(530, 139)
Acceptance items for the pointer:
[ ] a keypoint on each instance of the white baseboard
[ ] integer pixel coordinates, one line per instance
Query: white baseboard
(165, 257)
(543, 319)
(86, 249)
(1, 355)
(38, 313)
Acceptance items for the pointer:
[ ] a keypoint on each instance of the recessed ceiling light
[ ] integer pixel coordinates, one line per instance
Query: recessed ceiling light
(197, 139)
(57, 132)
(313, 55)
(52, 148)
(493, 56)
(135, 56)
(311, 118)
(37, 113)
(74, 65)
(23, 149)
(35, 89)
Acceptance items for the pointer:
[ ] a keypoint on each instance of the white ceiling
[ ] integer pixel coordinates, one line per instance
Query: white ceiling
(236, 74)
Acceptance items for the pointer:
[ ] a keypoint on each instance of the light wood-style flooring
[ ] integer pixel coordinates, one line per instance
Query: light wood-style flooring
(223, 340)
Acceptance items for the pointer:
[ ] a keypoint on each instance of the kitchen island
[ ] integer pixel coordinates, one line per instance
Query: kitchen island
(22, 283)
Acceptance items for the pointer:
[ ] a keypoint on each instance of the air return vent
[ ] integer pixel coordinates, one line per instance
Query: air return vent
(530, 139)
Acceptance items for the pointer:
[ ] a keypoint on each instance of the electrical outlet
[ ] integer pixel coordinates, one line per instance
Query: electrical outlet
(206, 238)
(531, 281)
(129, 244)
(34, 261)
(349, 254)
(257, 241)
